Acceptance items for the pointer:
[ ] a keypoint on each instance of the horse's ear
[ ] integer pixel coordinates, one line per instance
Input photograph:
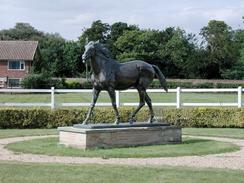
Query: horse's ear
(97, 41)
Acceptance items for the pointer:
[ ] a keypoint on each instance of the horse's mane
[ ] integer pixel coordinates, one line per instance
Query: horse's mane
(102, 49)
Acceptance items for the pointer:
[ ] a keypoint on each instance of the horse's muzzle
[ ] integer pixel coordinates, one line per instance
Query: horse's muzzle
(83, 57)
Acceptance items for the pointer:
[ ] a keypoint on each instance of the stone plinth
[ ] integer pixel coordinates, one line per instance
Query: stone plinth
(125, 135)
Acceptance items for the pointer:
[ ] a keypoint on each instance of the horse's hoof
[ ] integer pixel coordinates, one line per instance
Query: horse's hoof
(85, 122)
(152, 120)
(131, 121)
(116, 122)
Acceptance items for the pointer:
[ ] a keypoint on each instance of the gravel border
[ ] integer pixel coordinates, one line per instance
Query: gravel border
(233, 160)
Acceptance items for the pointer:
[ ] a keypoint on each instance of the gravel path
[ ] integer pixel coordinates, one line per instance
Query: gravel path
(233, 160)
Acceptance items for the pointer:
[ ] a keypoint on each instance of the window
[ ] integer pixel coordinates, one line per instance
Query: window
(14, 82)
(16, 65)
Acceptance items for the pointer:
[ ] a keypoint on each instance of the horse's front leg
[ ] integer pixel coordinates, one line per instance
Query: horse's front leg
(94, 100)
(111, 93)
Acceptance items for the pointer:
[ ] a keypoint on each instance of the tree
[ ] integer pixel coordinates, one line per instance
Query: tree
(51, 49)
(179, 53)
(97, 32)
(21, 31)
(116, 30)
(138, 44)
(72, 63)
(220, 48)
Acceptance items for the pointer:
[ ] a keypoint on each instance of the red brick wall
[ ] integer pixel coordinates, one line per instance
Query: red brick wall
(4, 72)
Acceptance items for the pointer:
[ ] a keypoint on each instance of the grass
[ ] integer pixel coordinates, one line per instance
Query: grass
(217, 132)
(11, 172)
(8, 133)
(124, 97)
(50, 146)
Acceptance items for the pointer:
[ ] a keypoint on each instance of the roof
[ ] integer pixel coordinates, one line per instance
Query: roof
(17, 50)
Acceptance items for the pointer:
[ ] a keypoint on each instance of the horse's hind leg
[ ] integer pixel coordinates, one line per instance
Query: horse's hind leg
(149, 103)
(111, 93)
(94, 100)
(142, 93)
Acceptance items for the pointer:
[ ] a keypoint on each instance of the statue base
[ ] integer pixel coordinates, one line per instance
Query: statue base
(122, 135)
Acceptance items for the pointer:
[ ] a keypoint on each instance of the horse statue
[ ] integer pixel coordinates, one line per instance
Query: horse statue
(109, 75)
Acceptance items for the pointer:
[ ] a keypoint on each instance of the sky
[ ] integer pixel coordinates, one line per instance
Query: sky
(70, 17)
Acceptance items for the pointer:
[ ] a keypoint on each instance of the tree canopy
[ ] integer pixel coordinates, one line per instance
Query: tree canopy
(177, 53)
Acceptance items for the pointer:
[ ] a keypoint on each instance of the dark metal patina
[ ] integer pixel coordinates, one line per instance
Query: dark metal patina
(109, 75)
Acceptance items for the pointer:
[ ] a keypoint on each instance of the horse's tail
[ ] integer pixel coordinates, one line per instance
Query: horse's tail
(161, 77)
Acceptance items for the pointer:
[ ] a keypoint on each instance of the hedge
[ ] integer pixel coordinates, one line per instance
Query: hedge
(42, 81)
(156, 84)
(191, 117)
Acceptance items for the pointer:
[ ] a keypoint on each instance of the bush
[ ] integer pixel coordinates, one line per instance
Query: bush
(172, 85)
(73, 85)
(41, 81)
(77, 85)
(192, 117)
(228, 85)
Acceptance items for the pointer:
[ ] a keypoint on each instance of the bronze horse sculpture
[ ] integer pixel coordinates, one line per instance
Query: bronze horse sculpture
(109, 75)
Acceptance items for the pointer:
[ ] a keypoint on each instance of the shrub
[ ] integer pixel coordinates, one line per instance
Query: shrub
(156, 84)
(36, 81)
(73, 85)
(228, 85)
(77, 85)
(41, 81)
(190, 117)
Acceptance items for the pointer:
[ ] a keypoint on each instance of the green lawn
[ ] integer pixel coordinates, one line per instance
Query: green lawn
(26, 132)
(51, 146)
(11, 172)
(124, 97)
(217, 132)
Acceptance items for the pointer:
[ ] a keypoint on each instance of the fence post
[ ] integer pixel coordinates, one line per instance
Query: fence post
(52, 98)
(239, 97)
(178, 97)
(117, 98)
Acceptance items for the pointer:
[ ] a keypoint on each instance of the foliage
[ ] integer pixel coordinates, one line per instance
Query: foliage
(54, 54)
(177, 53)
(78, 85)
(192, 117)
(97, 32)
(156, 84)
(72, 62)
(235, 72)
(180, 53)
(21, 31)
(116, 30)
(137, 44)
(41, 81)
(220, 48)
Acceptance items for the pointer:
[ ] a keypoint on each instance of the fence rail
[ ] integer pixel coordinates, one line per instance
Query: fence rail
(177, 104)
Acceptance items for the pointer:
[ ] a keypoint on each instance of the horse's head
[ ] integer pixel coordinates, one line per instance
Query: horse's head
(89, 51)
(92, 47)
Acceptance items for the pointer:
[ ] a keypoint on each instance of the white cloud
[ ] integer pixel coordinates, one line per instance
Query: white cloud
(69, 17)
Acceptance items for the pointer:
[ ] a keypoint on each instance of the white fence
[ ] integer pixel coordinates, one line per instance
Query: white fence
(177, 104)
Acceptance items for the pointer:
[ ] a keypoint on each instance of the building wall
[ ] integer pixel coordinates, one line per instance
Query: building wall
(4, 72)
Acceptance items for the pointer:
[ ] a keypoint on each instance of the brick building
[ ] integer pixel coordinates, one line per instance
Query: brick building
(16, 58)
